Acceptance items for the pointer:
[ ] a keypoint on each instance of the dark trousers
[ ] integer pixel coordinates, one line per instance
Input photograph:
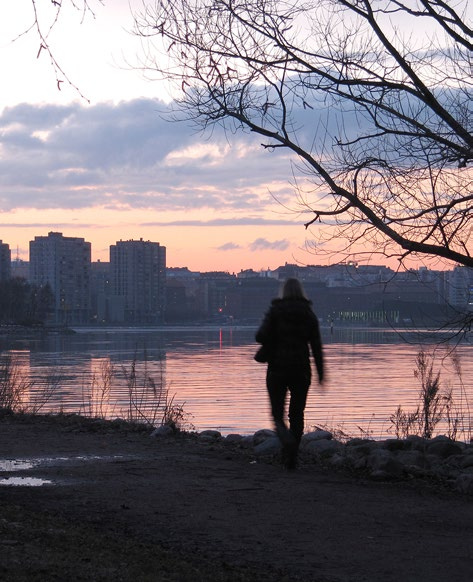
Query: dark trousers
(297, 382)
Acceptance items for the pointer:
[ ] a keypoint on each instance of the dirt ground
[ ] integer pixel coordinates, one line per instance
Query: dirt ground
(124, 506)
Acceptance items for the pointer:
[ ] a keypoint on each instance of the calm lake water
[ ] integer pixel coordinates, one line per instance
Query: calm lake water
(211, 372)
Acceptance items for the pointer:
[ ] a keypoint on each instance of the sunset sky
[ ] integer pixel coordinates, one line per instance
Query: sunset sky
(117, 168)
(106, 163)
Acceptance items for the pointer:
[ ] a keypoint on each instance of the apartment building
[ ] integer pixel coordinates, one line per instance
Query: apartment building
(63, 263)
(5, 261)
(138, 282)
(460, 288)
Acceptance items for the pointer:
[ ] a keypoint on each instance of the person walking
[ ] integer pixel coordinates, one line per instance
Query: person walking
(288, 329)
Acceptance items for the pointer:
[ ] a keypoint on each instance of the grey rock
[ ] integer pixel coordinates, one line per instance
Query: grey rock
(362, 448)
(410, 458)
(393, 444)
(162, 431)
(317, 435)
(464, 483)
(359, 463)
(416, 442)
(247, 442)
(383, 460)
(321, 447)
(467, 461)
(418, 472)
(210, 435)
(270, 446)
(359, 447)
(443, 448)
(337, 461)
(359, 441)
(234, 438)
(262, 435)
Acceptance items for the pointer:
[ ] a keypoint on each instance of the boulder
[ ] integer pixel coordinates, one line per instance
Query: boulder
(464, 483)
(247, 442)
(210, 435)
(443, 448)
(413, 457)
(262, 435)
(270, 446)
(416, 442)
(467, 461)
(233, 438)
(322, 447)
(162, 431)
(383, 460)
(393, 444)
(317, 435)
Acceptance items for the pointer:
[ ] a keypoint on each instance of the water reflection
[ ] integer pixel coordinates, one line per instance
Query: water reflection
(211, 371)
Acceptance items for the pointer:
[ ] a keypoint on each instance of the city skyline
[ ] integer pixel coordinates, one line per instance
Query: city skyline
(105, 257)
(61, 285)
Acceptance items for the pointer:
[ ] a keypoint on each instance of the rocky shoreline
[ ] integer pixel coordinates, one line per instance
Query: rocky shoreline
(439, 460)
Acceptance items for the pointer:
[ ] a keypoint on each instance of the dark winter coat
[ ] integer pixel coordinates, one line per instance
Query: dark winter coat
(288, 328)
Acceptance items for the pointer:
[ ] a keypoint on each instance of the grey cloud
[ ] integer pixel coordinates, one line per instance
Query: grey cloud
(223, 222)
(42, 115)
(261, 244)
(229, 246)
(80, 156)
(44, 225)
(175, 223)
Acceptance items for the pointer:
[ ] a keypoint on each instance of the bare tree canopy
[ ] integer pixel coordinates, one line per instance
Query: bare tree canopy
(374, 98)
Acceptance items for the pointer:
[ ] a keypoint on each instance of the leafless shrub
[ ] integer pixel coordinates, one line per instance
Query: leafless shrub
(338, 432)
(404, 423)
(150, 401)
(41, 394)
(14, 385)
(98, 392)
(434, 401)
(21, 394)
(436, 404)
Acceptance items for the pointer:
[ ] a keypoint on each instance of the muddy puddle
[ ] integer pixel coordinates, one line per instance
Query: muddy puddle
(12, 471)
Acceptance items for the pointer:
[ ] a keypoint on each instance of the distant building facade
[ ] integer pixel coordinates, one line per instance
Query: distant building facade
(63, 263)
(138, 282)
(183, 296)
(101, 291)
(5, 261)
(20, 268)
(460, 288)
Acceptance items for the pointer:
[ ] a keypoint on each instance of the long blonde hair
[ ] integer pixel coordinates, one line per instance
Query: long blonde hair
(292, 289)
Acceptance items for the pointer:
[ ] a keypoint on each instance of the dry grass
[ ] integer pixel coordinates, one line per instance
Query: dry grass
(149, 400)
(437, 406)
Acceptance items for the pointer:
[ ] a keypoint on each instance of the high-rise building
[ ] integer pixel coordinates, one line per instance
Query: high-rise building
(63, 263)
(5, 261)
(460, 291)
(138, 282)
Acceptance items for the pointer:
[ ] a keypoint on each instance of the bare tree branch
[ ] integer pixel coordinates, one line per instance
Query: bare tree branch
(377, 113)
(44, 21)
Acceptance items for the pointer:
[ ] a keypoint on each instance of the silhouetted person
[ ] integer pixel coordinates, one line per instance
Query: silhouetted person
(288, 329)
